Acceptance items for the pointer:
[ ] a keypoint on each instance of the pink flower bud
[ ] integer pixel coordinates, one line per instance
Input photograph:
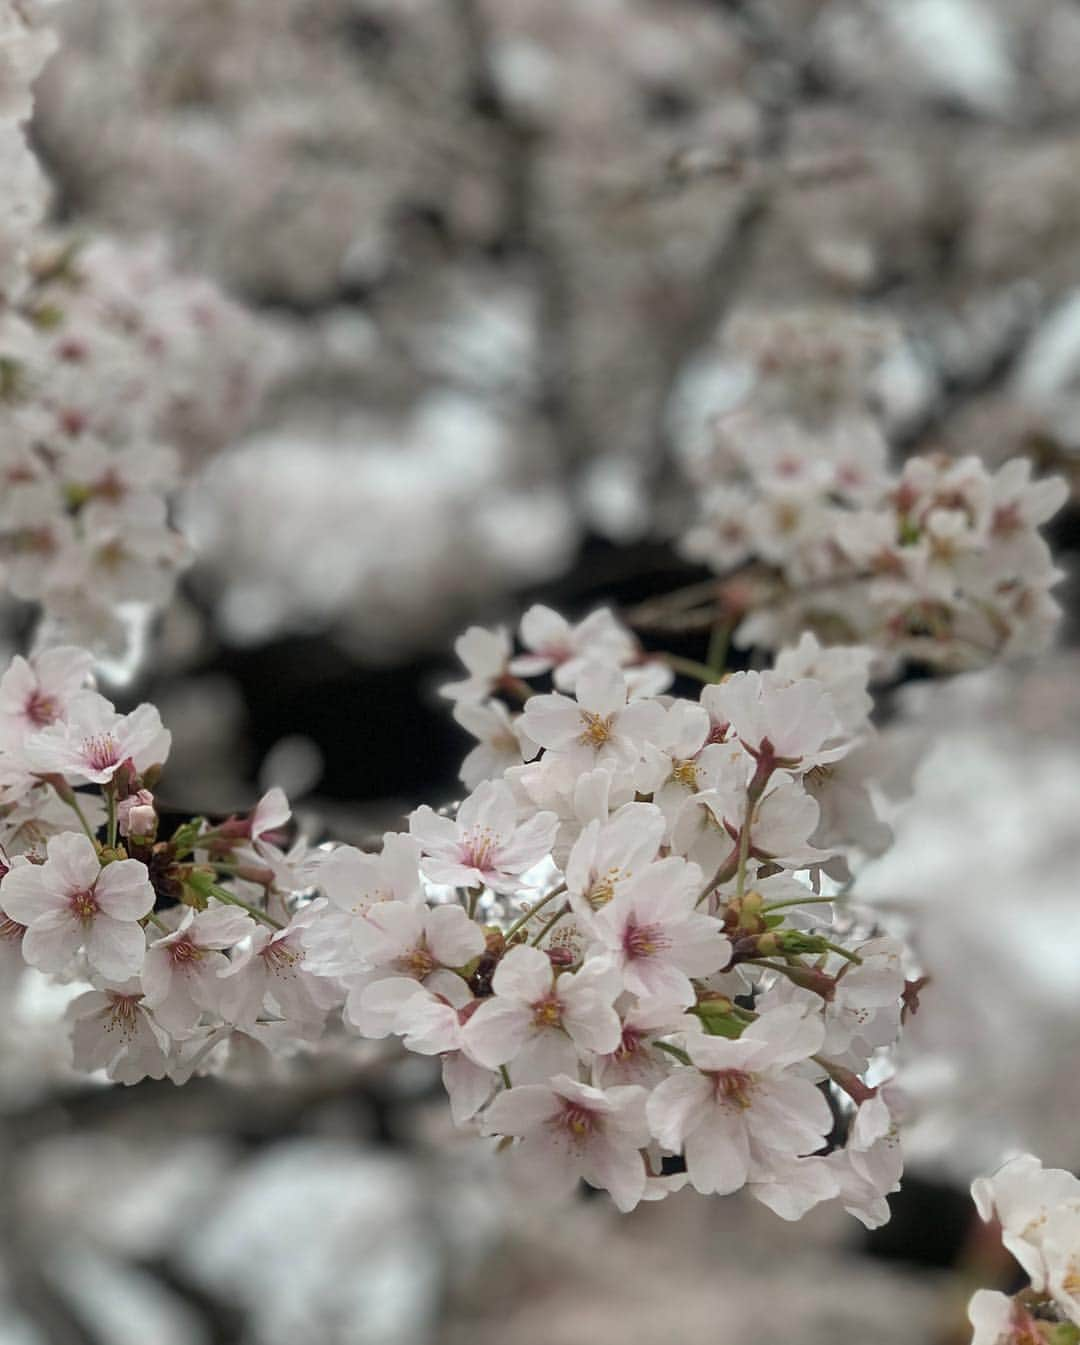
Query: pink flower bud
(137, 815)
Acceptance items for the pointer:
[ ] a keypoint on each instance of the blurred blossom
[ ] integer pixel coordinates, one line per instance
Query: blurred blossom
(382, 532)
(986, 876)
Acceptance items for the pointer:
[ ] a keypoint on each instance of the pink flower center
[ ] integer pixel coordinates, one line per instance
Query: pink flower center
(644, 940)
(280, 957)
(629, 1046)
(42, 710)
(1007, 520)
(596, 729)
(83, 904)
(478, 849)
(547, 1012)
(185, 951)
(602, 889)
(418, 962)
(732, 1088)
(577, 1121)
(122, 1014)
(684, 772)
(100, 751)
(10, 929)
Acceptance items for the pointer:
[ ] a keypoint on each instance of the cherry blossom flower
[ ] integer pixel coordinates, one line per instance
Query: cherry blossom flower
(501, 743)
(1039, 1212)
(570, 1131)
(271, 964)
(599, 726)
(556, 645)
(71, 903)
(741, 1102)
(609, 853)
(93, 742)
(35, 693)
(1024, 1197)
(790, 721)
(577, 798)
(635, 1060)
(656, 937)
(485, 844)
(114, 1031)
(410, 946)
(355, 880)
(182, 973)
(539, 1021)
(781, 822)
(844, 672)
(485, 654)
(685, 758)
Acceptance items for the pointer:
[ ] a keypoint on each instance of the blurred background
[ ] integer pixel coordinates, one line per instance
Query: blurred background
(496, 253)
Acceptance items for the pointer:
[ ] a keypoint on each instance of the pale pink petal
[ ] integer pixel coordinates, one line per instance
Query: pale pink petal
(718, 1156)
(52, 940)
(469, 1086)
(523, 974)
(453, 938)
(617, 1169)
(592, 1023)
(677, 1105)
(123, 890)
(74, 862)
(115, 947)
(547, 1052)
(518, 1111)
(497, 1031)
(439, 836)
(26, 894)
(553, 721)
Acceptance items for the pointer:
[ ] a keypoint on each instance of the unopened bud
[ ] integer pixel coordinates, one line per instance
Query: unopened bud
(137, 816)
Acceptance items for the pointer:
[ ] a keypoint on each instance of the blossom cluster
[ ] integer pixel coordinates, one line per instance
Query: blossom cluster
(25, 45)
(1038, 1210)
(801, 514)
(118, 372)
(618, 943)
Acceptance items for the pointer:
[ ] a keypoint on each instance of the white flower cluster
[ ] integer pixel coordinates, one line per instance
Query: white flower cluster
(617, 944)
(1038, 1210)
(117, 371)
(25, 45)
(942, 562)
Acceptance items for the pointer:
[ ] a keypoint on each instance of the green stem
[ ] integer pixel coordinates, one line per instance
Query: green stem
(744, 846)
(723, 874)
(156, 920)
(198, 843)
(528, 915)
(719, 641)
(110, 799)
(700, 672)
(223, 894)
(232, 870)
(795, 971)
(505, 1076)
(675, 1051)
(844, 952)
(798, 901)
(550, 925)
(73, 804)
